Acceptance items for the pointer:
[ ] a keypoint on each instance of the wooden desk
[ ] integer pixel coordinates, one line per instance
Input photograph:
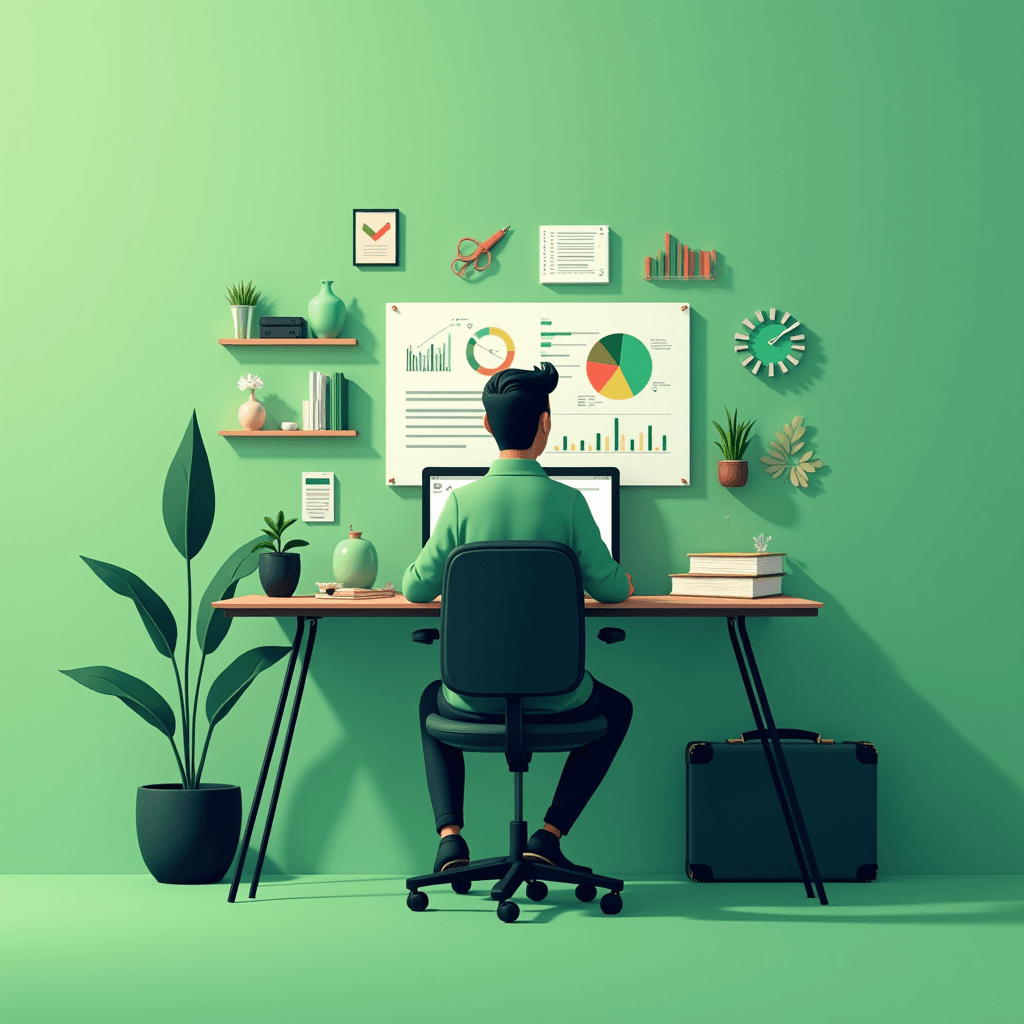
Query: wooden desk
(734, 610)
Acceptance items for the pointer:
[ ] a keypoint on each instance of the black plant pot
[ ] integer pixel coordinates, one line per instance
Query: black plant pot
(188, 836)
(279, 574)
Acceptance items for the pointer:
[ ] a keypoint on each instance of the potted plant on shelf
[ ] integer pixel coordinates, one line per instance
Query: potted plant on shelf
(243, 298)
(732, 469)
(279, 566)
(188, 831)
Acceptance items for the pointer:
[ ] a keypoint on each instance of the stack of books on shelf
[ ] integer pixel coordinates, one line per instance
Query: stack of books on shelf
(730, 574)
(327, 405)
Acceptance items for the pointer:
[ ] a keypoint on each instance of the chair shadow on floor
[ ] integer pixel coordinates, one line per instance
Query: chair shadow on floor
(919, 899)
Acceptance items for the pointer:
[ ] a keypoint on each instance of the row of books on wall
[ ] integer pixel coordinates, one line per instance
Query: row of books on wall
(327, 405)
(730, 574)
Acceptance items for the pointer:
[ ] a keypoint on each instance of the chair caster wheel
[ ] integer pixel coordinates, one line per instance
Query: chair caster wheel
(508, 911)
(417, 900)
(536, 891)
(585, 893)
(462, 886)
(611, 903)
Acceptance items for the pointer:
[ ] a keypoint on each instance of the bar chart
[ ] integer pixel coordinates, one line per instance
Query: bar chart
(436, 357)
(678, 262)
(616, 441)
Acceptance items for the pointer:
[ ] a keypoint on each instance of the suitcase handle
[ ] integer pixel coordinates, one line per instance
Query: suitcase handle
(784, 734)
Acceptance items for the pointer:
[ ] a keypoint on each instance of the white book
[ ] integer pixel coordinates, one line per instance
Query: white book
(312, 399)
(726, 586)
(724, 563)
(305, 415)
(321, 394)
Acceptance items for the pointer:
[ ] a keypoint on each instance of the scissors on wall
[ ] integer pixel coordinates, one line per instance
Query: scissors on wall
(482, 249)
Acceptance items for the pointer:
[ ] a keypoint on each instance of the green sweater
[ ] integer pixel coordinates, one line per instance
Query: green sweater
(517, 500)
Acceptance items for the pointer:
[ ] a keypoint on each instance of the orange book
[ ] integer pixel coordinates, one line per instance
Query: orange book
(686, 261)
(647, 267)
(679, 259)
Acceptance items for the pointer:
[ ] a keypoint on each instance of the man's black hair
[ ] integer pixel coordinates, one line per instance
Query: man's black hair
(514, 399)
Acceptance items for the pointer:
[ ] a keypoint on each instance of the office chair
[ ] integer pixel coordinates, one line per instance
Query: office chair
(512, 626)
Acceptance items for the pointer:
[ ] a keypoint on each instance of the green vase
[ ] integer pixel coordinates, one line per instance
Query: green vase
(326, 313)
(355, 561)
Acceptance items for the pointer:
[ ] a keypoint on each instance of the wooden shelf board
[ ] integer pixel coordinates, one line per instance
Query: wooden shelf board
(287, 341)
(289, 433)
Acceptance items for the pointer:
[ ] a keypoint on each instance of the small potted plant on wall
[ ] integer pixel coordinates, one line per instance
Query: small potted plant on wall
(243, 298)
(732, 469)
(279, 566)
(188, 831)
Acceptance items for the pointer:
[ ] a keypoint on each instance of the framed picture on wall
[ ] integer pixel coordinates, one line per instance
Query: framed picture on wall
(375, 238)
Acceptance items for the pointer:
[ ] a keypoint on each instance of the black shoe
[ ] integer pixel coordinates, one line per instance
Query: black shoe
(452, 853)
(543, 846)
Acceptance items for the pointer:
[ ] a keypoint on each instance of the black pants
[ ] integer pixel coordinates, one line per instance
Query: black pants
(584, 768)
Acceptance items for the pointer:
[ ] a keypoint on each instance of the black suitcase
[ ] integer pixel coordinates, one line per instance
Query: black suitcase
(735, 831)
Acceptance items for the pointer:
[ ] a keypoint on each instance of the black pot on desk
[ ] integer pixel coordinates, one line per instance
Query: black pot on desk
(188, 836)
(279, 573)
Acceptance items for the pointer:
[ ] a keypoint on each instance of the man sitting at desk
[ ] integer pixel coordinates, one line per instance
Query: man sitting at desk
(517, 500)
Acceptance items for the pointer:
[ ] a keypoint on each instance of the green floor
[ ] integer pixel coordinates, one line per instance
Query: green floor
(122, 949)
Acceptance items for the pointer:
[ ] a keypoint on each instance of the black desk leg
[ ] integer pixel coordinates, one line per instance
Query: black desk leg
(300, 625)
(779, 771)
(272, 810)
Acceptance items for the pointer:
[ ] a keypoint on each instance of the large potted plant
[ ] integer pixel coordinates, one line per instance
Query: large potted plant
(732, 469)
(188, 830)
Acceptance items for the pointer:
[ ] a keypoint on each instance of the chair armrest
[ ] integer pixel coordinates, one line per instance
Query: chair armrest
(425, 636)
(612, 635)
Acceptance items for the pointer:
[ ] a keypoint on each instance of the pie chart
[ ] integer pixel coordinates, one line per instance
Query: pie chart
(619, 366)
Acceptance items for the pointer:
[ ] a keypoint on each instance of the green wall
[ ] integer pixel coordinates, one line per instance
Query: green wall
(859, 164)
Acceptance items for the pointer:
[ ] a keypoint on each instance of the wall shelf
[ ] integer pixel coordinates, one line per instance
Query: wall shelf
(287, 341)
(288, 433)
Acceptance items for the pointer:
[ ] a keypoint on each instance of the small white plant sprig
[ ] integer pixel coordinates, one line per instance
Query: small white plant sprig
(760, 544)
(250, 382)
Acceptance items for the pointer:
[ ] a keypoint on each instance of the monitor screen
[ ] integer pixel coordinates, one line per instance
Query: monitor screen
(598, 486)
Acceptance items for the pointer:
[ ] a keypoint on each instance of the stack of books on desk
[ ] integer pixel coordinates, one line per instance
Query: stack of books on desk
(334, 592)
(730, 574)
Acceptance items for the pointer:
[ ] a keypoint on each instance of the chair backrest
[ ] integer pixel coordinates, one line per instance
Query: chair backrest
(512, 619)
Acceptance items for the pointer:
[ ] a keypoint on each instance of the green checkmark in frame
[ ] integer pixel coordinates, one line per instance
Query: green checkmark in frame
(368, 230)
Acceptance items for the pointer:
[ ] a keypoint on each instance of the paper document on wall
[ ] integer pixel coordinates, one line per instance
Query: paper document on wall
(623, 397)
(574, 254)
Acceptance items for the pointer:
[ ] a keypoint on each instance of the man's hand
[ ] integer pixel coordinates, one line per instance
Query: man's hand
(631, 588)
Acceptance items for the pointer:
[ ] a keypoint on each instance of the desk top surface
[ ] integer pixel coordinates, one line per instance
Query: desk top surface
(654, 606)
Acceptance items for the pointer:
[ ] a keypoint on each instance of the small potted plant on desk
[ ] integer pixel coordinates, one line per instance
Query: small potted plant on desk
(279, 567)
(732, 469)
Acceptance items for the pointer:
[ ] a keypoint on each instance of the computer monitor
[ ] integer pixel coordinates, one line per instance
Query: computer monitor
(599, 485)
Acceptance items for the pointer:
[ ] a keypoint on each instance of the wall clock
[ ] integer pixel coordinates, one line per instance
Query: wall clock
(774, 341)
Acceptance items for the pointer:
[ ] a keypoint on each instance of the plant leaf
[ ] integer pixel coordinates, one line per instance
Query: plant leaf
(289, 523)
(776, 473)
(806, 456)
(793, 477)
(817, 464)
(229, 686)
(155, 614)
(134, 693)
(211, 623)
(295, 544)
(797, 420)
(273, 526)
(720, 448)
(188, 494)
(797, 447)
(265, 544)
(771, 461)
(799, 432)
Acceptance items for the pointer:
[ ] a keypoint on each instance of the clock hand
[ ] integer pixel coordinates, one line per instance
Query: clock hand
(491, 350)
(792, 327)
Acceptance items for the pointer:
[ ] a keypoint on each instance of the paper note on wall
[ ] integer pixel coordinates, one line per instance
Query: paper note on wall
(574, 254)
(623, 397)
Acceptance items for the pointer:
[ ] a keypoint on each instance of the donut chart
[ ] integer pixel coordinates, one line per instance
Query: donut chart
(619, 366)
(489, 351)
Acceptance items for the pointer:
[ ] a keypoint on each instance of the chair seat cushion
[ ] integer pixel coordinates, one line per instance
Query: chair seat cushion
(540, 737)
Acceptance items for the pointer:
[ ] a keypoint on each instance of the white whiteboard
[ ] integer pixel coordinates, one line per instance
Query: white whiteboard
(623, 396)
